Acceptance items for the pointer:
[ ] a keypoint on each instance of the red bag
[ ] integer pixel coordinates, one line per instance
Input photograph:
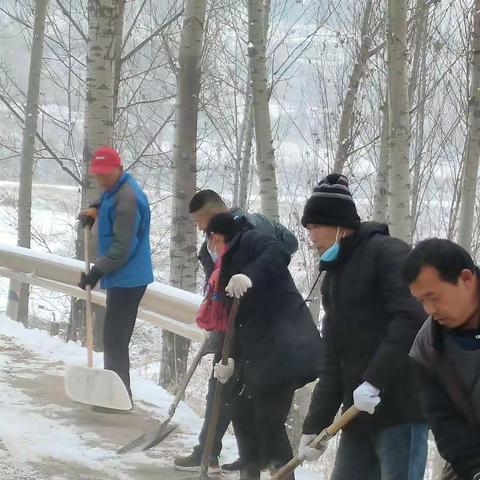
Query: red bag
(212, 314)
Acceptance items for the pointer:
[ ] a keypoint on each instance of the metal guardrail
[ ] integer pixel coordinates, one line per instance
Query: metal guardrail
(164, 306)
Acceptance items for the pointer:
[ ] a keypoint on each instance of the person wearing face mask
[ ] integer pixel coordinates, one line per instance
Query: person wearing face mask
(276, 347)
(203, 206)
(370, 323)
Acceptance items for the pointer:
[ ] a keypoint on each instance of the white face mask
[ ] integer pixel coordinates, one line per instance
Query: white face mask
(212, 253)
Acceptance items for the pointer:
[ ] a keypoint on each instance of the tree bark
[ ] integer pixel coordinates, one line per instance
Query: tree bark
(18, 294)
(183, 236)
(380, 207)
(472, 151)
(399, 142)
(261, 113)
(246, 157)
(345, 141)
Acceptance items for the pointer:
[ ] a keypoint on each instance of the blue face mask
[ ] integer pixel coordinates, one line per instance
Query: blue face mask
(331, 253)
(212, 253)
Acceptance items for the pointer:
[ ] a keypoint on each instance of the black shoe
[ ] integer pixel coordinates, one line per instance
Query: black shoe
(98, 409)
(193, 462)
(232, 467)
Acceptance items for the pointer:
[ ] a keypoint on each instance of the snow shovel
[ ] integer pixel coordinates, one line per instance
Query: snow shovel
(328, 432)
(217, 399)
(94, 386)
(155, 436)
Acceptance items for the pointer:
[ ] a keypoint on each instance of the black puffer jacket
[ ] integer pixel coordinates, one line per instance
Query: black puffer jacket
(266, 227)
(370, 323)
(449, 406)
(277, 342)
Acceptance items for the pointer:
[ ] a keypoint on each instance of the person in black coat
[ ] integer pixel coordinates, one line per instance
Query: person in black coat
(277, 345)
(370, 323)
(446, 352)
(203, 206)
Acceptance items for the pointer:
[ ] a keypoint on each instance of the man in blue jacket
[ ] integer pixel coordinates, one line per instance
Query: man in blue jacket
(123, 265)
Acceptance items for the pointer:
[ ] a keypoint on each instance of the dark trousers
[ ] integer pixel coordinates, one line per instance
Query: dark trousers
(394, 453)
(120, 316)
(223, 421)
(259, 424)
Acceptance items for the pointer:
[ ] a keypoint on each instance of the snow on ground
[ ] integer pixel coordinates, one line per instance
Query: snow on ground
(41, 431)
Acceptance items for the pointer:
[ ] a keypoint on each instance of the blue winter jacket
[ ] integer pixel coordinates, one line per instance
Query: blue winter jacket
(123, 220)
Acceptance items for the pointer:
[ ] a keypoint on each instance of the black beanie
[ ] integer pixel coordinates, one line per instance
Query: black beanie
(332, 204)
(222, 223)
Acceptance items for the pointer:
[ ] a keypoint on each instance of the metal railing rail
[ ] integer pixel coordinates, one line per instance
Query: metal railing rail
(164, 306)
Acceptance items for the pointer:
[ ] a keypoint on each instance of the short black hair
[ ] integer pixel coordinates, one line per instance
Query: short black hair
(205, 197)
(222, 223)
(448, 258)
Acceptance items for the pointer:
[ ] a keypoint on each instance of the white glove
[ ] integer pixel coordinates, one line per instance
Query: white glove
(238, 285)
(311, 454)
(366, 397)
(224, 372)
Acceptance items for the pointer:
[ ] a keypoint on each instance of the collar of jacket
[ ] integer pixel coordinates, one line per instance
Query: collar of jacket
(351, 242)
(119, 183)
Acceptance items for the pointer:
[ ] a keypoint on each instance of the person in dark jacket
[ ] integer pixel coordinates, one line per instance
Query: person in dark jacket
(123, 265)
(446, 352)
(370, 322)
(277, 345)
(203, 206)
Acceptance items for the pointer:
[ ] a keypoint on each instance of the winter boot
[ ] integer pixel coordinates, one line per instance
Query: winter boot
(193, 463)
(232, 467)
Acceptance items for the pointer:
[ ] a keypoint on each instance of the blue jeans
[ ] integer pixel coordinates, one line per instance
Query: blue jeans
(395, 453)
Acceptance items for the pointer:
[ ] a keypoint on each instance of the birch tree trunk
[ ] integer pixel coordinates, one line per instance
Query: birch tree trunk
(380, 207)
(18, 294)
(241, 141)
(345, 142)
(183, 237)
(246, 156)
(98, 127)
(261, 113)
(472, 151)
(399, 143)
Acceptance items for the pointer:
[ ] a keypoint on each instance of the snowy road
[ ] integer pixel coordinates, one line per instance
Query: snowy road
(43, 435)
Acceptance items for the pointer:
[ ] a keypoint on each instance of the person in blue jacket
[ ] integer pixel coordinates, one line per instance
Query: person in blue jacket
(123, 264)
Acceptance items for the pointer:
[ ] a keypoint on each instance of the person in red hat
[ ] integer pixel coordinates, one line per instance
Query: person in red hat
(123, 265)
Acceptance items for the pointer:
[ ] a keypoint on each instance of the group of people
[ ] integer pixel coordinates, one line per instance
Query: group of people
(400, 338)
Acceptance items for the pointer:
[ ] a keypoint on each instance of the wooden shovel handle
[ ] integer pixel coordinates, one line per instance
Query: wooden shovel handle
(332, 429)
(88, 302)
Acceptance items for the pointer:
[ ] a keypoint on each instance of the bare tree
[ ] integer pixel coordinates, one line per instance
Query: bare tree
(260, 101)
(183, 235)
(472, 152)
(19, 293)
(399, 142)
(345, 141)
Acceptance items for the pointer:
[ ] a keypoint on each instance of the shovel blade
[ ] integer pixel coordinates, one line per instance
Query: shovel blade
(148, 439)
(95, 386)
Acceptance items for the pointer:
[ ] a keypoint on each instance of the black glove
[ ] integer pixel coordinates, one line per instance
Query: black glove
(91, 278)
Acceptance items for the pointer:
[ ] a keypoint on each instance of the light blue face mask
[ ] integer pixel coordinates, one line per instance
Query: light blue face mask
(212, 253)
(331, 253)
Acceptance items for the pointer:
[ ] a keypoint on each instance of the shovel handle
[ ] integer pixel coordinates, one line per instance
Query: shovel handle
(187, 378)
(217, 398)
(88, 302)
(331, 430)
